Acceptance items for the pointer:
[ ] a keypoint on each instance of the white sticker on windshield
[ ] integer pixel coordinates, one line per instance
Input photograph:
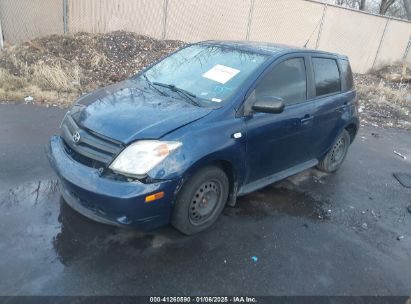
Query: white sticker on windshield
(216, 99)
(221, 73)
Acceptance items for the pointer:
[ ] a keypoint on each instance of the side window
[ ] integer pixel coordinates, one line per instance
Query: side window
(286, 80)
(326, 76)
(347, 74)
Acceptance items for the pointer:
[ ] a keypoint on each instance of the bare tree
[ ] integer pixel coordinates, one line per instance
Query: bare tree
(351, 3)
(407, 8)
(394, 8)
(385, 5)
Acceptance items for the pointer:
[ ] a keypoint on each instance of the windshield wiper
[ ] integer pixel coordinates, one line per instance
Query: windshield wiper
(188, 95)
(153, 86)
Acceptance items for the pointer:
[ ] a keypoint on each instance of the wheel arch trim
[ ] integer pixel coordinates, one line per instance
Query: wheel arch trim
(233, 173)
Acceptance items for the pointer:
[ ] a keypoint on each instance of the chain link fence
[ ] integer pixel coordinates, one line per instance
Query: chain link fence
(26, 19)
(369, 40)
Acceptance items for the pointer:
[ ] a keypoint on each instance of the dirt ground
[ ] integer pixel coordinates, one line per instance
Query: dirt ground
(56, 70)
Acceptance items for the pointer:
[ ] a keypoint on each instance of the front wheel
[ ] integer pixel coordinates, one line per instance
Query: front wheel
(335, 157)
(201, 200)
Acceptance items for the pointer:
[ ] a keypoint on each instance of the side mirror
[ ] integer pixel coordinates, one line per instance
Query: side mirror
(269, 104)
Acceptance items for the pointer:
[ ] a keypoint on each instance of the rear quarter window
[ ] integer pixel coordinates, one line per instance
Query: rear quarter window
(346, 74)
(326, 76)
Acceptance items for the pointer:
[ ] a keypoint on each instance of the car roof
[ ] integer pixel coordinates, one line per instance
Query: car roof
(272, 49)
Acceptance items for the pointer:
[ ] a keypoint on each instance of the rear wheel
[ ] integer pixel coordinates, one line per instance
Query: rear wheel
(335, 157)
(201, 200)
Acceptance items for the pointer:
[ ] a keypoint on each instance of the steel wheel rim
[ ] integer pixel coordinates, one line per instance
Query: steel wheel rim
(204, 202)
(338, 152)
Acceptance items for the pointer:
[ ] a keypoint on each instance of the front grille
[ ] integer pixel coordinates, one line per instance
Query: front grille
(92, 149)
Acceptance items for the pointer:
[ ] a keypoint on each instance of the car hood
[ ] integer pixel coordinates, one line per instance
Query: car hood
(126, 113)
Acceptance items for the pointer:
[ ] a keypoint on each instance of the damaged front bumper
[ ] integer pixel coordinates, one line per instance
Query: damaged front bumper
(106, 200)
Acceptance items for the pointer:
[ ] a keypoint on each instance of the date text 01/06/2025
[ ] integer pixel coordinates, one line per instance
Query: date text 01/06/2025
(199, 299)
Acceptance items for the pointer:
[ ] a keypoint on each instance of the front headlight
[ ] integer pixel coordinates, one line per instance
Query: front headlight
(142, 156)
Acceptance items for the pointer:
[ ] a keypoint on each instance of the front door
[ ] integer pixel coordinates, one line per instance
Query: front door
(276, 142)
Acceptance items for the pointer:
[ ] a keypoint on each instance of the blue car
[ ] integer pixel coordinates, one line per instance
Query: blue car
(215, 120)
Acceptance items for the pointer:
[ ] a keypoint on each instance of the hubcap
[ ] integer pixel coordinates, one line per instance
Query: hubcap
(204, 202)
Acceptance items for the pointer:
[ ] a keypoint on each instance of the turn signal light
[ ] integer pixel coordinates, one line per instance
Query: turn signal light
(154, 197)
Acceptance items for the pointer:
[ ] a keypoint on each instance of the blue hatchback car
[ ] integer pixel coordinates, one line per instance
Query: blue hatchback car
(210, 122)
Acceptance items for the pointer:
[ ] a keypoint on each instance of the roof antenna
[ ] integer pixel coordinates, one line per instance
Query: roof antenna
(309, 38)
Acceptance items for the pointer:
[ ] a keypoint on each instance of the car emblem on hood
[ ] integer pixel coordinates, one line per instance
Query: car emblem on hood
(76, 137)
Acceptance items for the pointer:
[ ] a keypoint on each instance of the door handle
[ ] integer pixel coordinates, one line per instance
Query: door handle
(341, 109)
(306, 120)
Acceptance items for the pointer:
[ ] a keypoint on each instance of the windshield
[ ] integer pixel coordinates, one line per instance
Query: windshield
(209, 72)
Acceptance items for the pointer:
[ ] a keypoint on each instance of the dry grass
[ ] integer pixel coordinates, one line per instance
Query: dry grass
(98, 59)
(385, 104)
(384, 93)
(55, 77)
(46, 83)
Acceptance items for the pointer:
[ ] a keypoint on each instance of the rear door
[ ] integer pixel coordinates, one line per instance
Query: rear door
(329, 102)
(276, 142)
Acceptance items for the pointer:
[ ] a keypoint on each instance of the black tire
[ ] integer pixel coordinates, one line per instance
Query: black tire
(200, 201)
(335, 157)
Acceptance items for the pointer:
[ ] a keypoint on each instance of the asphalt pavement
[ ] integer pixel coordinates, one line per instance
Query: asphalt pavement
(348, 233)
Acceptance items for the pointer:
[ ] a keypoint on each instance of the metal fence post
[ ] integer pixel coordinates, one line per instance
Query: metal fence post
(317, 43)
(407, 49)
(250, 17)
(1, 38)
(404, 59)
(65, 20)
(165, 7)
(380, 44)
